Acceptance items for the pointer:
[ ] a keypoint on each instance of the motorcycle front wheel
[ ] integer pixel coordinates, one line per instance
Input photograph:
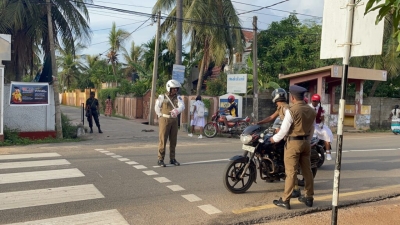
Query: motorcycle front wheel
(321, 153)
(232, 180)
(210, 130)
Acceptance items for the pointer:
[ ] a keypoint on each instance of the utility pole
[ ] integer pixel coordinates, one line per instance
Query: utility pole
(255, 72)
(343, 93)
(54, 71)
(155, 71)
(179, 17)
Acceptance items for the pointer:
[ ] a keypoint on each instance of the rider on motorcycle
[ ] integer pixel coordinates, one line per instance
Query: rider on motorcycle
(279, 97)
(233, 111)
(323, 132)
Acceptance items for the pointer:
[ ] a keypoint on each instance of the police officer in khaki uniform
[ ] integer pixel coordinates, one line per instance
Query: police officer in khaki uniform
(279, 97)
(168, 107)
(298, 125)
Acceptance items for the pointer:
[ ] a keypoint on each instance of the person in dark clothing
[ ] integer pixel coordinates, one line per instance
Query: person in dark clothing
(92, 112)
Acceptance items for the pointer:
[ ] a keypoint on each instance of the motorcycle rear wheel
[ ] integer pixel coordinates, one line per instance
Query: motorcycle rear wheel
(232, 180)
(210, 130)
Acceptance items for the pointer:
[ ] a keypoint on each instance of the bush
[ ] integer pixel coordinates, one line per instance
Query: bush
(69, 130)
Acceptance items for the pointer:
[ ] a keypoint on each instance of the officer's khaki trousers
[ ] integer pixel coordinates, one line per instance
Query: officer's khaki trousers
(297, 152)
(168, 127)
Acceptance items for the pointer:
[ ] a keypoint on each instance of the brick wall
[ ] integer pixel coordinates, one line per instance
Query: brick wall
(380, 110)
(265, 106)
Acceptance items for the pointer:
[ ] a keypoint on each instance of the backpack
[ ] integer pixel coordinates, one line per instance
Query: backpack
(200, 110)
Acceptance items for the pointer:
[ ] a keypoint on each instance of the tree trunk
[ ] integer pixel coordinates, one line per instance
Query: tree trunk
(200, 79)
(373, 89)
(204, 63)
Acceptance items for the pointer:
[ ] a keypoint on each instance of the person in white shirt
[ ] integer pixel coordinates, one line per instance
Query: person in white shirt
(323, 132)
(197, 119)
(395, 113)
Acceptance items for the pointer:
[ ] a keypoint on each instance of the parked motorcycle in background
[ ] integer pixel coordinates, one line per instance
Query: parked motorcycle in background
(262, 155)
(217, 125)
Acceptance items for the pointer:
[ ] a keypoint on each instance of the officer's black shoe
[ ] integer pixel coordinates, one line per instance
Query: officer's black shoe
(91, 130)
(281, 203)
(161, 163)
(306, 200)
(296, 193)
(100, 131)
(173, 161)
(300, 182)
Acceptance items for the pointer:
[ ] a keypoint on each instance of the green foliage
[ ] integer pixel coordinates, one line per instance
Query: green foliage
(217, 86)
(69, 130)
(104, 93)
(288, 46)
(207, 103)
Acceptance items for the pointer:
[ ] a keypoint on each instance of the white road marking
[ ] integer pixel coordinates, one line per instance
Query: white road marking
(373, 150)
(110, 153)
(192, 198)
(12, 165)
(47, 196)
(150, 172)
(111, 217)
(176, 188)
(99, 149)
(131, 163)
(139, 167)
(29, 156)
(156, 166)
(162, 179)
(209, 209)
(39, 175)
(104, 151)
(197, 162)
(124, 159)
(116, 156)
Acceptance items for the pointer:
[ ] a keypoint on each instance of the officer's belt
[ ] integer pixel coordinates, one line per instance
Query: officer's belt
(166, 116)
(297, 138)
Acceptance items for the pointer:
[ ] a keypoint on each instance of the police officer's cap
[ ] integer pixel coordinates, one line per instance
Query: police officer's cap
(297, 91)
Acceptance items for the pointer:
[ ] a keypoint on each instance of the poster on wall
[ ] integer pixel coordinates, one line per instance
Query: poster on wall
(24, 93)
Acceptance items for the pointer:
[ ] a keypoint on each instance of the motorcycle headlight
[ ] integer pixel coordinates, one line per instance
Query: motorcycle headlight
(245, 139)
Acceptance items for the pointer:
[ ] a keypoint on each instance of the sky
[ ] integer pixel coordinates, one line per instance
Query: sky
(101, 20)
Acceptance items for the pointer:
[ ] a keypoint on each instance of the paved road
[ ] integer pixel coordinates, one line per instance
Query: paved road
(113, 177)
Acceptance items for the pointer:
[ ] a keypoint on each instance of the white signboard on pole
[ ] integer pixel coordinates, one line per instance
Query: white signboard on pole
(236, 83)
(178, 73)
(367, 37)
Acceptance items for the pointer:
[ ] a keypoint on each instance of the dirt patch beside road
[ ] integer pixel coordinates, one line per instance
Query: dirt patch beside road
(374, 213)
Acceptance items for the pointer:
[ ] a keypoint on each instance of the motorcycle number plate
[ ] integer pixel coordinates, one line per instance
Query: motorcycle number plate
(248, 148)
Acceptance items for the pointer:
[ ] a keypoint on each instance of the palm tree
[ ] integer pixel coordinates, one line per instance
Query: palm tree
(26, 21)
(116, 39)
(215, 33)
(71, 67)
(133, 58)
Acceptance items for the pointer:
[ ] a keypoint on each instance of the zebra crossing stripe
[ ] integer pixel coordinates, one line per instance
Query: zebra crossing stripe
(110, 217)
(209, 209)
(47, 196)
(29, 156)
(9, 178)
(13, 165)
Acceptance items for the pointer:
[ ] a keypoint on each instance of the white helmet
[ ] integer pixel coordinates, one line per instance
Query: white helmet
(172, 84)
(279, 95)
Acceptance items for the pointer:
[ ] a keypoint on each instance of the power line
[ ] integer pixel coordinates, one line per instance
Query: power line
(277, 9)
(126, 4)
(89, 5)
(263, 7)
(128, 24)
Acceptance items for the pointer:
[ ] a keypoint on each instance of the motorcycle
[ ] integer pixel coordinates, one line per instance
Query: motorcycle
(319, 146)
(259, 153)
(217, 125)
